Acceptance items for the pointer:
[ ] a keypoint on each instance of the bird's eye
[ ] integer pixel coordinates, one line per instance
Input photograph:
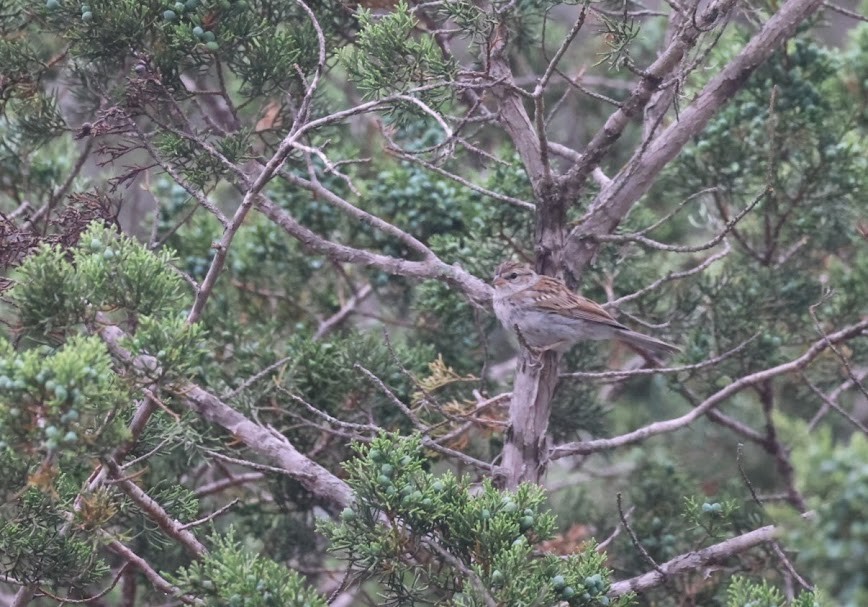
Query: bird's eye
(512, 276)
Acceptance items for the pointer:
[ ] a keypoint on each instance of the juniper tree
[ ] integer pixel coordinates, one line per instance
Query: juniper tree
(248, 356)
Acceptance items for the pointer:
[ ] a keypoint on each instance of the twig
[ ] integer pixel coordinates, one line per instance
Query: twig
(157, 581)
(468, 573)
(256, 377)
(813, 311)
(660, 246)
(247, 463)
(672, 276)
(788, 565)
(320, 482)
(636, 543)
(155, 511)
(391, 396)
(738, 460)
(829, 403)
(211, 516)
(225, 483)
(99, 595)
(328, 325)
(567, 41)
(516, 202)
(844, 11)
(619, 375)
(614, 202)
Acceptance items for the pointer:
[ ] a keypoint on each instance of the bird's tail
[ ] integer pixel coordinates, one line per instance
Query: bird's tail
(646, 344)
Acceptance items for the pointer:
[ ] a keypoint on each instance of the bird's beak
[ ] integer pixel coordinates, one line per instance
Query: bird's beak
(499, 282)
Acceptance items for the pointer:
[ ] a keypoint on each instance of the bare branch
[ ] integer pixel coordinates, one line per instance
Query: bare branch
(613, 203)
(210, 517)
(629, 373)
(844, 11)
(720, 236)
(650, 81)
(693, 561)
(516, 202)
(829, 402)
(155, 511)
(473, 288)
(225, 483)
(670, 277)
(157, 581)
(328, 325)
(316, 479)
(670, 425)
(362, 216)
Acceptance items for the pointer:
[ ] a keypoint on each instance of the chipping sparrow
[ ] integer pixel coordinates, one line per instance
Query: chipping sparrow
(551, 317)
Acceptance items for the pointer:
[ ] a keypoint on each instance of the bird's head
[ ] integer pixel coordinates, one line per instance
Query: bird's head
(512, 277)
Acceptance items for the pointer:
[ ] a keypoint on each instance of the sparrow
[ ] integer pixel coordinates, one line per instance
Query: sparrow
(548, 316)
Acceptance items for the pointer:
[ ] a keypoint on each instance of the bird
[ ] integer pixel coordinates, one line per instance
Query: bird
(547, 315)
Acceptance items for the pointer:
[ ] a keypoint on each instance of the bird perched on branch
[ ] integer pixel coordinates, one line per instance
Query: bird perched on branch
(546, 315)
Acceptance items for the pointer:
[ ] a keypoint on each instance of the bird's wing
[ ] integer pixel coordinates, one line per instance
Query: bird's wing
(561, 300)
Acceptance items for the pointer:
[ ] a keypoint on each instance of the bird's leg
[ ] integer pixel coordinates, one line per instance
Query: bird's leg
(534, 355)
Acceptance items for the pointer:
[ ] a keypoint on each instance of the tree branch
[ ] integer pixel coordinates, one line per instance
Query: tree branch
(650, 82)
(614, 202)
(670, 425)
(320, 482)
(693, 561)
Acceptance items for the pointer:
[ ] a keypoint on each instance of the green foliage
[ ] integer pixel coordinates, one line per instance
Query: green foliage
(46, 282)
(401, 508)
(388, 57)
(473, 21)
(63, 399)
(619, 34)
(281, 51)
(794, 130)
(328, 375)
(231, 576)
(833, 541)
(108, 273)
(712, 517)
(38, 546)
(743, 592)
(176, 344)
(396, 192)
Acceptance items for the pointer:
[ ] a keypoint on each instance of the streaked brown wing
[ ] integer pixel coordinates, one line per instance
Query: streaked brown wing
(561, 300)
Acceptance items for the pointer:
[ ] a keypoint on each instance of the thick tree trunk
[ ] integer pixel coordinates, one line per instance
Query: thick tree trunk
(525, 453)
